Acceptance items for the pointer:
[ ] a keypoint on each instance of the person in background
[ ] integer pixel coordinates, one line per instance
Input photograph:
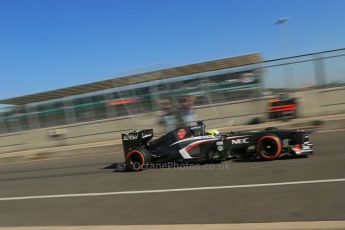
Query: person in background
(168, 118)
(186, 115)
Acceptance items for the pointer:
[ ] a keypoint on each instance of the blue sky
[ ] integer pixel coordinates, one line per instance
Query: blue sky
(49, 44)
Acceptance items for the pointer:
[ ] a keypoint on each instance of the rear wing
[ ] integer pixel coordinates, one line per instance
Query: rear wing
(136, 139)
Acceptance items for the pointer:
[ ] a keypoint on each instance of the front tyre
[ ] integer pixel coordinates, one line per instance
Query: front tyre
(137, 158)
(269, 147)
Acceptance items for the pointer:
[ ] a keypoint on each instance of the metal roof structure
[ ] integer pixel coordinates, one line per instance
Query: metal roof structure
(224, 63)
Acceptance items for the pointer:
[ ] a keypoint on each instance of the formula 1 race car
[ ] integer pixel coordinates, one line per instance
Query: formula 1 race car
(195, 144)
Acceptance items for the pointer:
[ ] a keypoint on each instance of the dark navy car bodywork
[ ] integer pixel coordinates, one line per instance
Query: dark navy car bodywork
(193, 144)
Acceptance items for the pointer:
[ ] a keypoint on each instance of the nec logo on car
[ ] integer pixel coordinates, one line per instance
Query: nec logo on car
(240, 141)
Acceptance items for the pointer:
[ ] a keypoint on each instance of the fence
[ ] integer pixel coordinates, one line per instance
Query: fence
(314, 70)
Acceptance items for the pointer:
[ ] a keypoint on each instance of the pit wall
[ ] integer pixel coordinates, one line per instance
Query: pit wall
(321, 102)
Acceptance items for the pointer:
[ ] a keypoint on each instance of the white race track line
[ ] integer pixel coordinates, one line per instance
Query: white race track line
(171, 190)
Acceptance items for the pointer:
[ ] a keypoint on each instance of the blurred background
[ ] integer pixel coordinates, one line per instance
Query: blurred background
(210, 84)
(230, 64)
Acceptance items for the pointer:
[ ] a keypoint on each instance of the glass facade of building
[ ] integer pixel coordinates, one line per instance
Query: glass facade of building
(207, 88)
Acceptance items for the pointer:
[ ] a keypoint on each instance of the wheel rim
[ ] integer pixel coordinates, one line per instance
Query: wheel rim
(269, 147)
(136, 159)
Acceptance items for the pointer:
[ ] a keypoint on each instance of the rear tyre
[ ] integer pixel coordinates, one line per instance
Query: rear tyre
(137, 158)
(269, 147)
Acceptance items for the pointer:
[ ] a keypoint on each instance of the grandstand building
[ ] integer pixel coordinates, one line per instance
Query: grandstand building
(210, 82)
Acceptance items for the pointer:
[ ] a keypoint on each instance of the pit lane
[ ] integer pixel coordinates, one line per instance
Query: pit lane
(304, 202)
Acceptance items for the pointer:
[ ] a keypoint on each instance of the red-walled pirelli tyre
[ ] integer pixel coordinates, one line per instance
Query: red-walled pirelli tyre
(269, 147)
(137, 158)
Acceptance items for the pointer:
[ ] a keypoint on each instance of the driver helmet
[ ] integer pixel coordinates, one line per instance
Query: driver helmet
(213, 132)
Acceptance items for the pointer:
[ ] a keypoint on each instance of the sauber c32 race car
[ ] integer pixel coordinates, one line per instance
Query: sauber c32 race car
(194, 144)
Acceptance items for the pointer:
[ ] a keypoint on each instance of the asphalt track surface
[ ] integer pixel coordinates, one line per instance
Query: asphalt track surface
(91, 174)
